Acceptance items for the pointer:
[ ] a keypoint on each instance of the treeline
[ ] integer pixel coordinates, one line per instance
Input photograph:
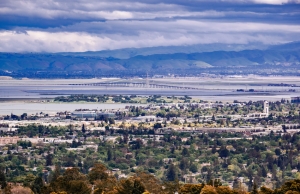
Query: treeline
(118, 98)
(80, 97)
(96, 98)
(101, 181)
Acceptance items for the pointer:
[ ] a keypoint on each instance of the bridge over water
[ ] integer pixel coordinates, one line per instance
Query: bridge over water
(137, 85)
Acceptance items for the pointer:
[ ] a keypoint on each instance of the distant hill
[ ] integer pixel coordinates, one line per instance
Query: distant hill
(279, 55)
(292, 46)
(198, 48)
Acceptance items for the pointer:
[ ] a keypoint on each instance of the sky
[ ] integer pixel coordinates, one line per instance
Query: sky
(94, 25)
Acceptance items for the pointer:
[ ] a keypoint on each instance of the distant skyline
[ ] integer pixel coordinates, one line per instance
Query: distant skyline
(77, 25)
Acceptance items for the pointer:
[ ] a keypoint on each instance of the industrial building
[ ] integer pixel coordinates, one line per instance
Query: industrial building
(92, 114)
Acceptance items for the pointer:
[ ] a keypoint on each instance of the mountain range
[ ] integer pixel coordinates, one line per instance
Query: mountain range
(157, 59)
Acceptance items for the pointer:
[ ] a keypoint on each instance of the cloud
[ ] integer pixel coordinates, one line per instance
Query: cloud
(275, 2)
(140, 34)
(77, 25)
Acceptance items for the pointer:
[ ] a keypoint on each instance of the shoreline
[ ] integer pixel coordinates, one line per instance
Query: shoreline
(36, 100)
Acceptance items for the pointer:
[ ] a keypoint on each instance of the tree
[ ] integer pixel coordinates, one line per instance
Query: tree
(151, 183)
(213, 118)
(138, 144)
(185, 152)
(277, 151)
(71, 182)
(264, 171)
(193, 168)
(105, 185)
(111, 121)
(23, 116)
(37, 185)
(78, 186)
(289, 186)
(49, 159)
(209, 175)
(208, 189)
(54, 176)
(138, 187)
(3, 182)
(109, 155)
(98, 172)
(225, 190)
(214, 182)
(8, 190)
(265, 190)
(236, 183)
(171, 187)
(132, 185)
(183, 164)
(254, 189)
(29, 179)
(191, 188)
(83, 128)
(157, 126)
(171, 174)
(223, 152)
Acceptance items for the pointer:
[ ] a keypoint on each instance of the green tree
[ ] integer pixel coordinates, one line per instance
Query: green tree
(111, 121)
(223, 152)
(83, 128)
(185, 152)
(183, 165)
(109, 155)
(29, 179)
(37, 185)
(72, 182)
(193, 168)
(49, 159)
(3, 182)
(54, 176)
(171, 174)
(157, 126)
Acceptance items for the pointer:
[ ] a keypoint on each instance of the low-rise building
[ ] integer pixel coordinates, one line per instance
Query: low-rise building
(9, 140)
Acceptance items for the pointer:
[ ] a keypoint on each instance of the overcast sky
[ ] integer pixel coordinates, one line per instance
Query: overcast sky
(92, 25)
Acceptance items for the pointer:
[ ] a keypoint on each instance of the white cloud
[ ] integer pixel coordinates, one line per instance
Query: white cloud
(183, 26)
(161, 33)
(81, 10)
(110, 24)
(274, 2)
(271, 2)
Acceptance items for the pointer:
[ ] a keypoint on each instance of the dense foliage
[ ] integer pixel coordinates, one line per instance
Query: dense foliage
(100, 181)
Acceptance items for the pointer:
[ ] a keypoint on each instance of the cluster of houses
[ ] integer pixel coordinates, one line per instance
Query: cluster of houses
(8, 127)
